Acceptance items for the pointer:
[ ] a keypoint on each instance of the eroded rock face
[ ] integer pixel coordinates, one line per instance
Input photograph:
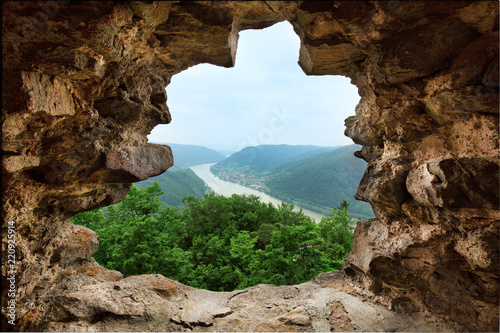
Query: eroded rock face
(155, 303)
(83, 84)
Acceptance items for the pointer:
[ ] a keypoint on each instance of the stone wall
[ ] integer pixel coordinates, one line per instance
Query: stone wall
(83, 84)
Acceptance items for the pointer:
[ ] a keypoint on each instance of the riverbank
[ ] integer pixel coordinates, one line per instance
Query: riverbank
(226, 188)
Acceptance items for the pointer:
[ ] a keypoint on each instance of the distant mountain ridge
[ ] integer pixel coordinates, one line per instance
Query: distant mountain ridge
(261, 159)
(188, 155)
(313, 177)
(322, 181)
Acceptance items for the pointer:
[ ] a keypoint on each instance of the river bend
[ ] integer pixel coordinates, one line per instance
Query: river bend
(226, 188)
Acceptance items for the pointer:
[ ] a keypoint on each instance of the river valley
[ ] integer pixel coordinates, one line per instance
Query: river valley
(225, 188)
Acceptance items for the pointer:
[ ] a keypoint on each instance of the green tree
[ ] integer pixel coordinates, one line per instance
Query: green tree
(217, 243)
(133, 235)
(343, 205)
(242, 249)
(263, 234)
(93, 219)
(293, 255)
(337, 233)
(178, 265)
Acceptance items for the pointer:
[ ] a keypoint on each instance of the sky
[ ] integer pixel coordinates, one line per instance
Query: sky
(265, 99)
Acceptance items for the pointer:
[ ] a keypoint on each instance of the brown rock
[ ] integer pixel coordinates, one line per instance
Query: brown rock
(94, 270)
(297, 316)
(339, 319)
(79, 243)
(456, 183)
(132, 164)
(85, 85)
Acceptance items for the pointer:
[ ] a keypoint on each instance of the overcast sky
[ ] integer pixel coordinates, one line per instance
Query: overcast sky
(265, 99)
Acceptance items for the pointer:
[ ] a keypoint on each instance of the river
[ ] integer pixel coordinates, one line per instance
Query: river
(225, 188)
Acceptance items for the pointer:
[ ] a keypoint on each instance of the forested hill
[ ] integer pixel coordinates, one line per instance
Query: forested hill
(177, 185)
(312, 177)
(217, 243)
(262, 159)
(322, 181)
(188, 155)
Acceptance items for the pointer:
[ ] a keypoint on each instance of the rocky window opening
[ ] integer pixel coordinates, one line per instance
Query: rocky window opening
(237, 242)
(264, 99)
(84, 85)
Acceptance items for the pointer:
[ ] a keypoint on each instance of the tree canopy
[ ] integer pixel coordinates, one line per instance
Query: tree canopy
(217, 243)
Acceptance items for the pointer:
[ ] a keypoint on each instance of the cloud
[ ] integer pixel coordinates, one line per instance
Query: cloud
(212, 105)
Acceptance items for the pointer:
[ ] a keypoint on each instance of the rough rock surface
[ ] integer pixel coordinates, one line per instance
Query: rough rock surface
(156, 303)
(83, 84)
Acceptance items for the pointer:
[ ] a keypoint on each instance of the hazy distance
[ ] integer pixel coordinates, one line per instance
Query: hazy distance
(265, 99)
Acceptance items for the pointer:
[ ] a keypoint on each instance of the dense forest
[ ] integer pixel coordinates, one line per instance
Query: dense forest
(180, 184)
(322, 181)
(316, 178)
(262, 159)
(217, 243)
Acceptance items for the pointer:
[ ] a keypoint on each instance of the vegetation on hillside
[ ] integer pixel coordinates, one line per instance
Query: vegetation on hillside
(322, 182)
(262, 159)
(178, 185)
(188, 155)
(316, 178)
(217, 243)
(180, 182)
